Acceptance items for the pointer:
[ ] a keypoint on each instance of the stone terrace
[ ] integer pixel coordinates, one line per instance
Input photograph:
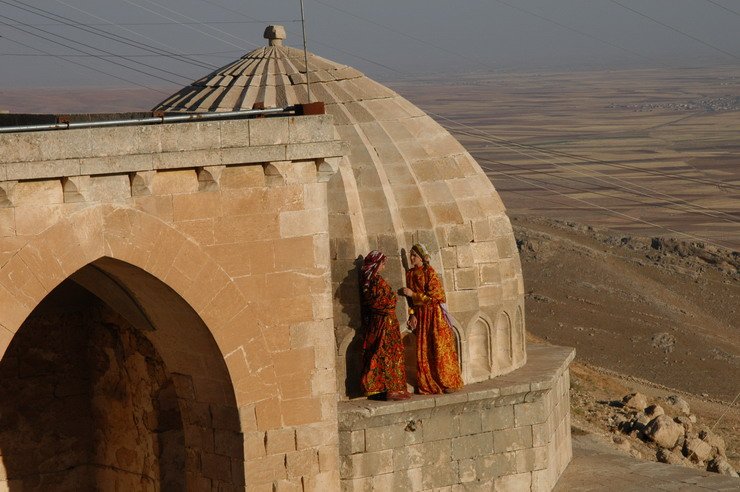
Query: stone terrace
(509, 433)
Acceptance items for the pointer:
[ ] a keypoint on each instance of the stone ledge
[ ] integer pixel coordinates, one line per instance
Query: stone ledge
(97, 151)
(509, 433)
(545, 364)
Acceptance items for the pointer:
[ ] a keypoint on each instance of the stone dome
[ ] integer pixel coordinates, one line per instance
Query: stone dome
(405, 179)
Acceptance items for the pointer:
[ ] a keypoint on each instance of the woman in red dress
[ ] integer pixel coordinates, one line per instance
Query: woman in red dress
(384, 371)
(438, 370)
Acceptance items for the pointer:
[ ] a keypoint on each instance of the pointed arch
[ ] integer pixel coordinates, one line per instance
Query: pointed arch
(503, 343)
(480, 358)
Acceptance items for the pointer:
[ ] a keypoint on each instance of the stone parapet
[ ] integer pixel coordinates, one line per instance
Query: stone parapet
(509, 433)
(129, 149)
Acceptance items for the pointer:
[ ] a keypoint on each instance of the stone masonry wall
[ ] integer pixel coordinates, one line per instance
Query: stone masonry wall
(232, 216)
(96, 408)
(510, 433)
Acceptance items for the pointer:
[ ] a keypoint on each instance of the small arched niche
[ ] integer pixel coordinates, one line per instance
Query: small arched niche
(519, 338)
(503, 343)
(479, 350)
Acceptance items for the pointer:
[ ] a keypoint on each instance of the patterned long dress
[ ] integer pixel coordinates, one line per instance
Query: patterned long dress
(383, 361)
(436, 354)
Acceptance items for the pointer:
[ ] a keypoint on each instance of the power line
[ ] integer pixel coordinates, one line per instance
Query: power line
(400, 33)
(141, 24)
(572, 29)
(190, 26)
(556, 153)
(553, 153)
(82, 51)
(723, 7)
(83, 65)
(671, 199)
(213, 53)
(607, 209)
(135, 33)
(99, 32)
(641, 14)
(313, 41)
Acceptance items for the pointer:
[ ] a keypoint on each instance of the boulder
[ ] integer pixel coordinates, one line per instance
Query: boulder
(721, 466)
(717, 443)
(663, 431)
(635, 400)
(666, 456)
(687, 424)
(678, 405)
(642, 419)
(697, 450)
(622, 443)
(654, 410)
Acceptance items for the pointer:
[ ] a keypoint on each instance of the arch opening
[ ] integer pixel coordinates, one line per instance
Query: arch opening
(98, 391)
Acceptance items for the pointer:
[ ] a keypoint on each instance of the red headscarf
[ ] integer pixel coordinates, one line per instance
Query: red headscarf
(370, 267)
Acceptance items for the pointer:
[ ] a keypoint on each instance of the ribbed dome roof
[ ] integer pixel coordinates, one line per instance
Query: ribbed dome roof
(275, 76)
(405, 179)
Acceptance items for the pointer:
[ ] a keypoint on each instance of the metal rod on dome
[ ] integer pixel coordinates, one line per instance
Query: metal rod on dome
(305, 52)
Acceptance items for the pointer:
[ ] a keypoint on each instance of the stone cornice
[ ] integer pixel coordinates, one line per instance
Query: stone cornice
(132, 149)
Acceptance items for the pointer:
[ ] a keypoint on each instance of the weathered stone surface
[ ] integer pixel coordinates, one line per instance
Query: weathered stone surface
(667, 456)
(717, 443)
(635, 400)
(678, 405)
(663, 431)
(468, 438)
(653, 411)
(697, 450)
(722, 466)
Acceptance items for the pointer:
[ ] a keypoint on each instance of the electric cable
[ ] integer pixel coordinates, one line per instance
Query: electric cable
(175, 55)
(400, 33)
(140, 24)
(671, 199)
(689, 207)
(577, 31)
(313, 41)
(723, 7)
(83, 65)
(191, 26)
(216, 53)
(615, 212)
(99, 32)
(641, 14)
(92, 47)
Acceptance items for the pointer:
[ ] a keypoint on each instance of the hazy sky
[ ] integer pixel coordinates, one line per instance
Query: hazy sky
(386, 39)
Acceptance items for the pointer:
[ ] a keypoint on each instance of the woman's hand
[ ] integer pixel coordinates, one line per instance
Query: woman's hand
(412, 323)
(407, 292)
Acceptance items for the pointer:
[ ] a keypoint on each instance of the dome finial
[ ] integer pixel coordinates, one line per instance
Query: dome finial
(275, 34)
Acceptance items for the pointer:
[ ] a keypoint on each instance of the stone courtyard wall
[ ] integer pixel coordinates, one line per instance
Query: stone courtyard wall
(216, 235)
(511, 433)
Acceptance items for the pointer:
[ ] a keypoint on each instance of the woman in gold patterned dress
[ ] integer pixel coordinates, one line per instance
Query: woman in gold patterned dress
(384, 371)
(438, 370)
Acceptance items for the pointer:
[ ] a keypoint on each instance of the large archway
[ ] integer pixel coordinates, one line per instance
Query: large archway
(114, 381)
(178, 303)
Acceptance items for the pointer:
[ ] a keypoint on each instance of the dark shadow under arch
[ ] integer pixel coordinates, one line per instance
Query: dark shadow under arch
(114, 382)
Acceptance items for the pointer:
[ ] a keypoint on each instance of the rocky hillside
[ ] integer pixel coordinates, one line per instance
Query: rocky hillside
(654, 315)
